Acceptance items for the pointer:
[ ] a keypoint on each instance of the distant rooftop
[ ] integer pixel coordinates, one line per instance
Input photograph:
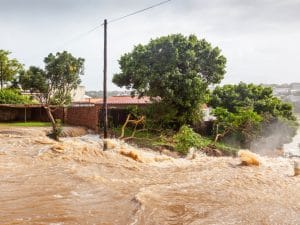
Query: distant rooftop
(117, 100)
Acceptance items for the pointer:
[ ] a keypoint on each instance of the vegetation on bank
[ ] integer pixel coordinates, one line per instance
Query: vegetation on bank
(179, 142)
(246, 112)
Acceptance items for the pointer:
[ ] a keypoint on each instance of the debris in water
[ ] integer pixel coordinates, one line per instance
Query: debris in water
(248, 158)
(44, 141)
(74, 132)
(110, 143)
(58, 148)
(130, 154)
(296, 168)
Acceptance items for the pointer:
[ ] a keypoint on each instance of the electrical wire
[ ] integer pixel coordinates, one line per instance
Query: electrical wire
(138, 11)
(79, 36)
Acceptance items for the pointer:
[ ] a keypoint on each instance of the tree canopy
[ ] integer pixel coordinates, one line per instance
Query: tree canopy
(258, 97)
(63, 75)
(8, 67)
(247, 111)
(34, 80)
(175, 68)
(54, 84)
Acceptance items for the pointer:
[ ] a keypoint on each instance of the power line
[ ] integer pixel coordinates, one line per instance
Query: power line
(139, 11)
(79, 36)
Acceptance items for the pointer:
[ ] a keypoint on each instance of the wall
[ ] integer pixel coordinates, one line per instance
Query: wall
(88, 116)
(83, 116)
(10, 114)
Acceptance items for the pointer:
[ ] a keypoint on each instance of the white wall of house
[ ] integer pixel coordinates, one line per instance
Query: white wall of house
(78, 94)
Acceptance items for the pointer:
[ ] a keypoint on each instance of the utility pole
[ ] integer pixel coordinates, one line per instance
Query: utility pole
(105, 86)
(1, 73)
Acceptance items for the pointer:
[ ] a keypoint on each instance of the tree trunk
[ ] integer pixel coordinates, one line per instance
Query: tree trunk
(217, 138)
(53, 123)
(124, 126)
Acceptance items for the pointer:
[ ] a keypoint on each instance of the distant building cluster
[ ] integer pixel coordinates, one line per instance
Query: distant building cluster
(288, 93)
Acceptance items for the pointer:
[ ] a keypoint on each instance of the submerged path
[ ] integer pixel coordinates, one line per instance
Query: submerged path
(74, 182)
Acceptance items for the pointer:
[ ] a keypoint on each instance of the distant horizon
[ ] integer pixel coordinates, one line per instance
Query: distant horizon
(120, 90)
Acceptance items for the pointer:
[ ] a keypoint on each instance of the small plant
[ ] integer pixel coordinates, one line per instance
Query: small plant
(185, 139)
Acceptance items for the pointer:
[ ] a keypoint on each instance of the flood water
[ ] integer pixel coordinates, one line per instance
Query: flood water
(293, 148)
(75, 182)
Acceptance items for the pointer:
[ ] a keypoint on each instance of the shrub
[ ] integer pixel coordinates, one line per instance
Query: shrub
(11, 96)
(185, 139)
(56, 133)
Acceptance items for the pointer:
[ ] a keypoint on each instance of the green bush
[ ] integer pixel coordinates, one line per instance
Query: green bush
(57, 131)
(11, 96)
(185, 139)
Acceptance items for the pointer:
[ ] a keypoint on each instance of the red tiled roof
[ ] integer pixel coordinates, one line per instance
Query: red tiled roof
(118, 100)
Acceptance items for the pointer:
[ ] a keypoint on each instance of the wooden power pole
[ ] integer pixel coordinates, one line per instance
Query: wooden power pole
(105, 86)
(1, 74)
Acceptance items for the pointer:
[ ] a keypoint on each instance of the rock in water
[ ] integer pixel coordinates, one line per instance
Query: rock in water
(248, 158)
(110, 143)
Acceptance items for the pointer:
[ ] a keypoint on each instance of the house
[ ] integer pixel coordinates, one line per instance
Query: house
(123, 101)
(78, 93)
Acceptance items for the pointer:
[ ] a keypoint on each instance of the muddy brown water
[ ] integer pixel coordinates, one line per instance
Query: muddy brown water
(293, 148)
(75, 182)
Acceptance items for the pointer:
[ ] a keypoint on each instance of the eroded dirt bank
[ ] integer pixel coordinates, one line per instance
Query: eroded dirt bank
(74, 182)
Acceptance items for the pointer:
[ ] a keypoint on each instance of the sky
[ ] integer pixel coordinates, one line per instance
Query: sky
(259, 38)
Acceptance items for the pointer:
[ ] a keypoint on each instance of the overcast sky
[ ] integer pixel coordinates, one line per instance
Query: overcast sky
(259, 38)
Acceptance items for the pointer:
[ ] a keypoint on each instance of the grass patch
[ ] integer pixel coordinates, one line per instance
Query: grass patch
(143, 138)
(26, 124)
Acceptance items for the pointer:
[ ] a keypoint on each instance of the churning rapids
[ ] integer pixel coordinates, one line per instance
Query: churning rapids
(75, 182)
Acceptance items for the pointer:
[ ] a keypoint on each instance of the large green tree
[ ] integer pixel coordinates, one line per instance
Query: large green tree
(244, 124)
(54, 83)
(174, 69)
(258, 97)
(8, 67)
(246, 111)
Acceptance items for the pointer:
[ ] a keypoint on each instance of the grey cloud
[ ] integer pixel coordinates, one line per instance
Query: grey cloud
(254, 35)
